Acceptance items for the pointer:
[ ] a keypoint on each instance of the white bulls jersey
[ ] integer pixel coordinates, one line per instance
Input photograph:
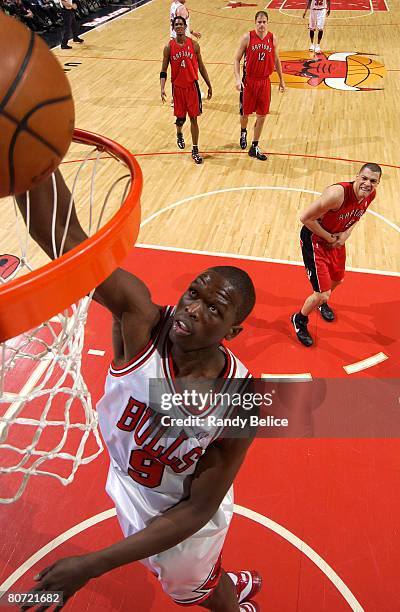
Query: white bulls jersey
(172, 15)
(318, 5)
(151, 464)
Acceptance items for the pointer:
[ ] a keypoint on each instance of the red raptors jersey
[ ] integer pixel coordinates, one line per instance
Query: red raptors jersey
(184, 65)
(259, 60)
(351, 211)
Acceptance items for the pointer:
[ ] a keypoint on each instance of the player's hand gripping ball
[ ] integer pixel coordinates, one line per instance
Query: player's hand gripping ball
(36, 109)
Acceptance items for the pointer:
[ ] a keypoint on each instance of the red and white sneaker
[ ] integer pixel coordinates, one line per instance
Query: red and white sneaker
(249, 606)
(247, 583)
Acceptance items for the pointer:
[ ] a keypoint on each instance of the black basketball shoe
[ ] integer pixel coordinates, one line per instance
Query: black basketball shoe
(197, 157)
(180, 141)
(326, 312)
(78, 40)
(243, 140)
(300, 327)
(254, 151)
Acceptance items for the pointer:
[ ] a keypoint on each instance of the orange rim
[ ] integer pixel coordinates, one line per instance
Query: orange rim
(31, 299)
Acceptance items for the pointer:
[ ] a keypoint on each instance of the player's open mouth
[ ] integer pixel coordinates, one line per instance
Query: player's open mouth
(181, 328)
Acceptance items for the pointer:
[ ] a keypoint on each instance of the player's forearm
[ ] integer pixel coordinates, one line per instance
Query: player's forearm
(317, 229)
(41, 201)
(236, 70)
(205, 76)
(166, 531)
(347, 233)
(278, 68)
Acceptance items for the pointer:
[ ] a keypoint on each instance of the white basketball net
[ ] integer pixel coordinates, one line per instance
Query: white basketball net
(47, 423)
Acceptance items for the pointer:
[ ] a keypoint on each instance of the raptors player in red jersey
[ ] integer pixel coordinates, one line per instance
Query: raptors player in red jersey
(260, 49)
(172, 488)
(184, 55)
(328, 223)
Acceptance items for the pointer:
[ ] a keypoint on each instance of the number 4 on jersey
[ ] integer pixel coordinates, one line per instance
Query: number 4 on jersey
(183, 64)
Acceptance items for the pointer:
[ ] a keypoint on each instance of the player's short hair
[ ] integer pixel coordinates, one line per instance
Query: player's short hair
(372, 167)
(241, 282)
(178, 17)
(261, 13)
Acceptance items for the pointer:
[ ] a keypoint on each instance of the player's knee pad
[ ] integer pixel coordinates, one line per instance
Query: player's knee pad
(180, 121)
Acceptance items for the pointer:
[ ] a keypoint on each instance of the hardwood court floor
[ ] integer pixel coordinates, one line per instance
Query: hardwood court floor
(315, 137)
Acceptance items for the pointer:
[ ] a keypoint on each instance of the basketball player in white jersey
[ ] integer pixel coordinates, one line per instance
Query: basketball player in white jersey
(178, 9)
(319, 10)
(172, 491)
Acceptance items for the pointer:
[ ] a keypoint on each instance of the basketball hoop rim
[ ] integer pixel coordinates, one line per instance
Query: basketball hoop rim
(35, 297)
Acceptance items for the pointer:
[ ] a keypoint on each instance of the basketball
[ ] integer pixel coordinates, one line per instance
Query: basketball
(36, 109)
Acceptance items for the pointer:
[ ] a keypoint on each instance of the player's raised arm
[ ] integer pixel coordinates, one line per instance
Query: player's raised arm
(122, 293)
(244, 41)
(202, 69)
(163, 73)
(330, 199)
(214, 475)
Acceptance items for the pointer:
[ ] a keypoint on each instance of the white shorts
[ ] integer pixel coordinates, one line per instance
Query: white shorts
(189, 571)
(317, 19)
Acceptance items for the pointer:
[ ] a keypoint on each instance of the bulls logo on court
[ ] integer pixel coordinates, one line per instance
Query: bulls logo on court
(9, 265)
(346, 71)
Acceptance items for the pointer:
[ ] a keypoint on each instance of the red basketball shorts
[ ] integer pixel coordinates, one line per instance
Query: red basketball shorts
(323, 265)
(187, 100)
(255, 97)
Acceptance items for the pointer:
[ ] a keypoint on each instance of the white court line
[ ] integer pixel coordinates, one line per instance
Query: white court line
(305, 377)
(216, 191)
(241, 510)
(158, 247)
(63, 537)
(379, 216)
(306, 550)
(96, 352)
(255, 188)
(358, 366)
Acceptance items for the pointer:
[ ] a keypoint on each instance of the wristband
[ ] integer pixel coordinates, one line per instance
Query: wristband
(163, 75)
